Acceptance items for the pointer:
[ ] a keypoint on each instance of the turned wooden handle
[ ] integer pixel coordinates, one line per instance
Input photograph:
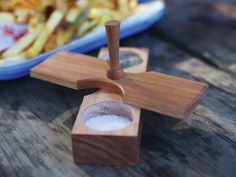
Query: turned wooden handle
(115, 70)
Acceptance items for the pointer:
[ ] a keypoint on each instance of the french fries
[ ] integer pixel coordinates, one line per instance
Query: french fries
(97, 13)
(51, 43)
(64, 37)
(61, 5)
(1, 61)
(17, 57)
(35, 20)
(123, 6)
(21, 14)
(86, 27)
(53, 23)
(50, 26)
(73, 14)
(23, 42)
(6, 16)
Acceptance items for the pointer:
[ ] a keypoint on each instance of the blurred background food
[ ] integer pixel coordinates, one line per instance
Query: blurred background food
(53, 23)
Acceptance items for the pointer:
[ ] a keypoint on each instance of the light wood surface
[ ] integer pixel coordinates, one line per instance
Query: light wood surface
(100, 147)
(153, 91)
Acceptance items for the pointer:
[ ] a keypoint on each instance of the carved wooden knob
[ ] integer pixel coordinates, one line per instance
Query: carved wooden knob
(115, 71)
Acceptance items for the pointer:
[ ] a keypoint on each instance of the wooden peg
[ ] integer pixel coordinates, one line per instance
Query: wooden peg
(115, 70)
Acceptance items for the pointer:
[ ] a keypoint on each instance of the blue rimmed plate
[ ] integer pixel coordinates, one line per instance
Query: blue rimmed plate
(12, 69)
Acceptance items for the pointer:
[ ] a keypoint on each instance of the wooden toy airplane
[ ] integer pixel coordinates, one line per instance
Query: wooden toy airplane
(153, 91)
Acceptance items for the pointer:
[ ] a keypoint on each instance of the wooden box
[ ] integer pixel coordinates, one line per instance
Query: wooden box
(107, 147)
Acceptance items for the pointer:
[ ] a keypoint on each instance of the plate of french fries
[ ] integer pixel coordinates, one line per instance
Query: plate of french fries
(31, 31)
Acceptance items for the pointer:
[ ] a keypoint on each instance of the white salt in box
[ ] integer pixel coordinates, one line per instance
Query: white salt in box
(107, 133)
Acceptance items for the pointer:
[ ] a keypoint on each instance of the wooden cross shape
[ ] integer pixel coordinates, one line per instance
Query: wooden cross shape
(153, 91)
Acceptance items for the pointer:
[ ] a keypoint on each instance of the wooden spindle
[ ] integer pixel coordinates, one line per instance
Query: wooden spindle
(115, 70)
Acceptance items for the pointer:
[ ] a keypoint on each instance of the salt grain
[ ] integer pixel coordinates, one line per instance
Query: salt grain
(107, 122)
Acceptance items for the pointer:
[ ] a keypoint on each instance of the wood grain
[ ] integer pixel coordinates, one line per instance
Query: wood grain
(153, 91)
(36, 118)
(99, 147)
(115, 71)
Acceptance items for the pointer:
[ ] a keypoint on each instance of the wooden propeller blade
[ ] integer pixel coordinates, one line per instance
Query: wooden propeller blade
(150, 90)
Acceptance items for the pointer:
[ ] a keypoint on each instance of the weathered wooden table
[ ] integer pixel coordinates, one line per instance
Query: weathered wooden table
(193, 40)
